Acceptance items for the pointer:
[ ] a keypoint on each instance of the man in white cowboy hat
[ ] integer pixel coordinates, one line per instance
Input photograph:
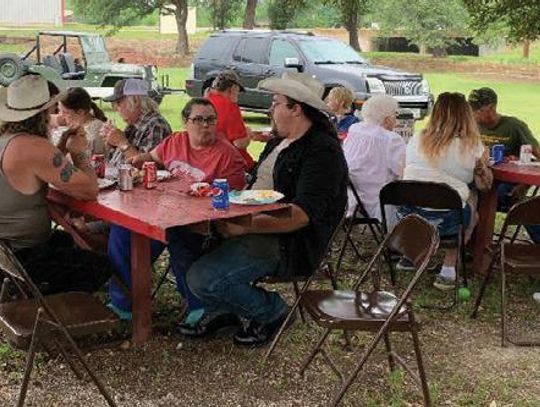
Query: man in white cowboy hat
(306, 164)
(28, 162)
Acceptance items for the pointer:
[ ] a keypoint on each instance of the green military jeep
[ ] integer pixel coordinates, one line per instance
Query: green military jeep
(74, 59)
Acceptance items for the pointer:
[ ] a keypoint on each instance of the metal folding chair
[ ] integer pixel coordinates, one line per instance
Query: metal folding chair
(431, 195)
(376, 310)
(513, 257)
(360, 217)
(324, 270)
(50, 321)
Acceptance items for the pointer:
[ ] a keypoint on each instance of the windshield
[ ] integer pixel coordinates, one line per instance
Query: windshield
(327, 50)
(94, 49)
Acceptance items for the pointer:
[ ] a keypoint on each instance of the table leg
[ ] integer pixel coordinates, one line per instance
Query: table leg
(487, 209)
(141, 283)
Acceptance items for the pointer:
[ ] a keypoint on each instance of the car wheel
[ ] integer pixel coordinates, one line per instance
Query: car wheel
(10, 68)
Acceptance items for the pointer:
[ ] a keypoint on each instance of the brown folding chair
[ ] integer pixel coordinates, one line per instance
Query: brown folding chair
(431, 195)
(514, 257)
(376, 311)
(50, 321)
(323, 271)
(360, 217)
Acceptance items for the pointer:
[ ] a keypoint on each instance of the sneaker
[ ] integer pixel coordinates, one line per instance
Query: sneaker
(209, 324)
(256, 334)
(407, 266)
(443, 283)
(536, 297)
(123, 315)
(193, 316)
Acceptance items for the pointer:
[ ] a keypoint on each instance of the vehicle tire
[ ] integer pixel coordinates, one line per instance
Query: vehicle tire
(11, 68)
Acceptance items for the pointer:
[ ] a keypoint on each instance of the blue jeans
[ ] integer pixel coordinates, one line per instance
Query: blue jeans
(446, 222)
(184, 248)
(504, 203)
(225, 278)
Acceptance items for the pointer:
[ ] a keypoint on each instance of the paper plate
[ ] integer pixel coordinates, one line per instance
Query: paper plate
(254, 197)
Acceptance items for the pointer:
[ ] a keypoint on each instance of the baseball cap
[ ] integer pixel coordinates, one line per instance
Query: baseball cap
(226, 79)
(482, 97)
(128, 87)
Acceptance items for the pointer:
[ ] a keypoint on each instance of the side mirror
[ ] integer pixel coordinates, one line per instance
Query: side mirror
(294, 63)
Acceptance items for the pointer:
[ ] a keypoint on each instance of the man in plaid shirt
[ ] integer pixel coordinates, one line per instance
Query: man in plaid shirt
(146, 126)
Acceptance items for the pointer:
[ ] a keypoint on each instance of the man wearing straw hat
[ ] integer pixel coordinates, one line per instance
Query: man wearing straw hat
(306, 164)
(28, 162)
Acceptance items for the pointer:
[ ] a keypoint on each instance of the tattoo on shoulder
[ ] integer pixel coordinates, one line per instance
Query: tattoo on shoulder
(57, 159)
(67, 172)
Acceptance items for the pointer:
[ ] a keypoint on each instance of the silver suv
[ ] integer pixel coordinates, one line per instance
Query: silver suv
(256, 55)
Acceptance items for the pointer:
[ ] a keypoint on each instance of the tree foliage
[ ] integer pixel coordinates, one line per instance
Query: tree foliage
(426, 23)
(281, 12)
(119, 13)
(222, 12)
(350, 12)
(521, 17)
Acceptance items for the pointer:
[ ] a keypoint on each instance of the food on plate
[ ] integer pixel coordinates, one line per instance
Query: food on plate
(201, 189)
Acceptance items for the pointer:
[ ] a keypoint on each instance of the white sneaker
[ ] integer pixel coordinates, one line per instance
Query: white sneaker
(536, 297)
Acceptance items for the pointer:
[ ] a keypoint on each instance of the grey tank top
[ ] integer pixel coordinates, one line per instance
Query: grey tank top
(24, 219)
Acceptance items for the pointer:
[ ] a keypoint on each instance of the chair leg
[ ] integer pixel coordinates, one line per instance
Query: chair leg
(388, 345)
(314, 352)
(298, 295)
(86, 366)
(347, 229)
(481, 292)
(161, 280)
(30, 359)
(503, 307)
(68, 359)
(420, 362)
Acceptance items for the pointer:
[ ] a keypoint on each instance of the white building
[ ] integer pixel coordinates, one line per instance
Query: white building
(23, 12)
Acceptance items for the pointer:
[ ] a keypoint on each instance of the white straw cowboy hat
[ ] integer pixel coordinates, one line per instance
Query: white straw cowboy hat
(24, 98)
(298, 86)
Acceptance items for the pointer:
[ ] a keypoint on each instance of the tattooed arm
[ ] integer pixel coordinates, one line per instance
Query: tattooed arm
(30, 161)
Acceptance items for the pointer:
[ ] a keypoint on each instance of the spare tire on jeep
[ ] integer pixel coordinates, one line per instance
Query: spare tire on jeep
(11, 68)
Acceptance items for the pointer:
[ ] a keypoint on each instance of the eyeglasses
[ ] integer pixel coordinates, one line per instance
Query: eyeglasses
(200, 120)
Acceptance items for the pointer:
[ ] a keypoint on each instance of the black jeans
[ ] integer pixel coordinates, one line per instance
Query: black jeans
(59, 266)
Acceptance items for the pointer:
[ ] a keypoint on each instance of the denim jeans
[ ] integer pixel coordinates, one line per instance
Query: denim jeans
(184, 248)
(225, 278)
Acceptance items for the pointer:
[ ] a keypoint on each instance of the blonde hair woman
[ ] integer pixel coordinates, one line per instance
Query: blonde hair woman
(449, 150)
(339, 102)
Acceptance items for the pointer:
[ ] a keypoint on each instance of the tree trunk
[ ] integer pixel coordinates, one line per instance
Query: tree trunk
(181, 14)
(526, 48)
(249, 17)
(351, 24)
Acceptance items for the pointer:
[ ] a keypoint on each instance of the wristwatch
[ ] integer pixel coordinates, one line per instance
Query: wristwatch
(124, 147)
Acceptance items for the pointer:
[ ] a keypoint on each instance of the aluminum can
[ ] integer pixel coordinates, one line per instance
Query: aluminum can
(497, 153)
(98, 163)
(220, 194)
(525, 153)
(150, 174)
(125, 178)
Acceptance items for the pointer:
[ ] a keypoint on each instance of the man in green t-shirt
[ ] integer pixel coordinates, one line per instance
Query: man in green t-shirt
(512, 133)
(499, 129)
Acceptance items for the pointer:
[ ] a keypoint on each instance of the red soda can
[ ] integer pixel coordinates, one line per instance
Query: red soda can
(150, 174)
(98, 162)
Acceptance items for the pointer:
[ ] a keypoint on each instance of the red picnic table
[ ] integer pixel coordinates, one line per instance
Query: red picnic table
(148, 213)
(487, 206)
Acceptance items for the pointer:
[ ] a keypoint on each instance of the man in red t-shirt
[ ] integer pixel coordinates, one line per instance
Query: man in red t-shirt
(198, 155)
(224, 97)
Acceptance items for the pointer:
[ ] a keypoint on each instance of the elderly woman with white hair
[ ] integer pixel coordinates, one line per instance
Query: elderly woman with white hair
(374, 153)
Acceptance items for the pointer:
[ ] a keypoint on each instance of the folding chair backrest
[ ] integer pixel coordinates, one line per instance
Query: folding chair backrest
(414, 238)
(359, 206)
(526, 212)
(16, 272)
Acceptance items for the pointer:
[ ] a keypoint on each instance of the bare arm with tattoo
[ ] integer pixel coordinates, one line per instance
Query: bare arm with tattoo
(31, 161)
